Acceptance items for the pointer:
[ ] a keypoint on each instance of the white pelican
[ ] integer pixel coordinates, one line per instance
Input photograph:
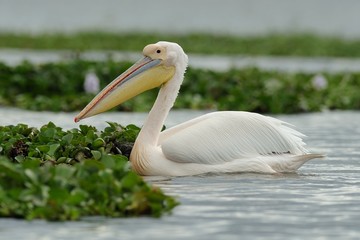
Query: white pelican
(219, 142)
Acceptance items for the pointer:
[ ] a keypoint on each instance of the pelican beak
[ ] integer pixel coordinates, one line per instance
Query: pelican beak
(144, 75)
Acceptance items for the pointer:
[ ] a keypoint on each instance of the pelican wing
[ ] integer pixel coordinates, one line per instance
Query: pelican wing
(221, 137)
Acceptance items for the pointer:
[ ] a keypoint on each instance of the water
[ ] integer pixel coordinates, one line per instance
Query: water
(241, 17)
(320, 201)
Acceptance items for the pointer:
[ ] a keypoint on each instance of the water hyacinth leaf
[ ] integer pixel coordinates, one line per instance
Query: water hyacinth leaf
(61, 160)
(133, 127)
(53, 148)
(85, 129)
(130, 180)
(2, 194)
(107, 176)
(68, 138)
(108, 161)
(117, 162)
(31, 163)
(58, 195)
(96, 154)
(31, 176)
(92, 165)
(9, 170)
(99, 142)
(90, 135)
(131, 132)
(64, 172)
(122, 162)
(19, 158)
(43, 148)
(49, 133)
(77, 196)
(114, 125)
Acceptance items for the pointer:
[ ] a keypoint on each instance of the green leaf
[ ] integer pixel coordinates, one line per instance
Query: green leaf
(96, 154)
(77, 196)
(58, 194)
(43, 148)
(68, 138)
(31, 163)
(65, 172)
(19, 158)
(10, 170)
(53, 148)
(130, 180)
(108, 161)
(49, 133)
(117, 162)
(32, 176)
(99, 142)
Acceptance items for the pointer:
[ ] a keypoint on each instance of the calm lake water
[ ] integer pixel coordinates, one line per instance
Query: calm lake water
(240, 17)
(320, 201)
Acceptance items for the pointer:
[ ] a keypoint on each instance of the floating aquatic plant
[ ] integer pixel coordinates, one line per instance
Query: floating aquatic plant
(293, 44)
(59, 87)
(53, 174)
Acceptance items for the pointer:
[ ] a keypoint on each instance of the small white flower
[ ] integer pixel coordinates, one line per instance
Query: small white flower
(91, 83)
(319, 82)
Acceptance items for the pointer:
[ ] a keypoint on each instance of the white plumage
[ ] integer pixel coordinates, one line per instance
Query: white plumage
(224, 136)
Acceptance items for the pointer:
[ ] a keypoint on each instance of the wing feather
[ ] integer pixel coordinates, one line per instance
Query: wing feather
(221, 137)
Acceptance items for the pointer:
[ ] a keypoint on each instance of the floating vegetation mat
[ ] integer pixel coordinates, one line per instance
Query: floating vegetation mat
(301, 44)
(52, 174)
(61, 87)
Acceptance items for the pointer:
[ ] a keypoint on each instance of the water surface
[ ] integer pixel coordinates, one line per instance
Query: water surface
(240, 17)
(320, 201)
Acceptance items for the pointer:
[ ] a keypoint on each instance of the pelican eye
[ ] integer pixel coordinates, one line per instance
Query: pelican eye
(158, 51)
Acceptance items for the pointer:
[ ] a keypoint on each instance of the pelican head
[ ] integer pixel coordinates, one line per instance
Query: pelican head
(156, 68)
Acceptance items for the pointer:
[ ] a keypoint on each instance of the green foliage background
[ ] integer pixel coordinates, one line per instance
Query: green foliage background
(301, 44)
(59, 87)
